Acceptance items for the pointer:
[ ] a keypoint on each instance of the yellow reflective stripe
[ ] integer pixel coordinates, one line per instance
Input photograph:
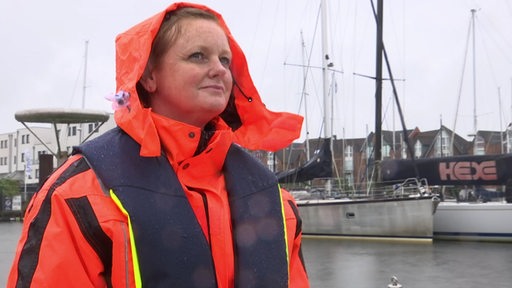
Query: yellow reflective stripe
(135, 259)
(285, 232)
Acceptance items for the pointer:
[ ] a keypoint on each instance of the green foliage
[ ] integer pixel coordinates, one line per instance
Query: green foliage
(9, 187)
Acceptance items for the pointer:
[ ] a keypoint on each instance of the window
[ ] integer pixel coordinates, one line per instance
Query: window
(348, 163)
(417, 150)
(270, 161)
(442, 147)
(404, 150)
(479, 148)
(369, 149)
(25, 139)
(22, 157)
(72, 131)
(92, 127)
(386, 150)
(445, 144)
(509, 139)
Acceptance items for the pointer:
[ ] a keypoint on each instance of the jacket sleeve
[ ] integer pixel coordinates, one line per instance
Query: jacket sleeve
(66, 240)
(298, 274)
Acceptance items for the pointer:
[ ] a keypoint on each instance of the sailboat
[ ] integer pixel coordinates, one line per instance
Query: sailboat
(404, 210)
(476, 220)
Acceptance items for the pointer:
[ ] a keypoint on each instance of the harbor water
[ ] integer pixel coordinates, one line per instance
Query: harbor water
(358, 263)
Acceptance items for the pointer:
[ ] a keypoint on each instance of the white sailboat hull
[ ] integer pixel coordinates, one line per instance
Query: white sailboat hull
(473, 221)
(387, 218)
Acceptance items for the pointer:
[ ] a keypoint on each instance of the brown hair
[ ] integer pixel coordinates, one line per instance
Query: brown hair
(169, 31)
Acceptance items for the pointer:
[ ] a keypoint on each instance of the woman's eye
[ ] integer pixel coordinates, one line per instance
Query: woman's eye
(197, 56)
(226, 61)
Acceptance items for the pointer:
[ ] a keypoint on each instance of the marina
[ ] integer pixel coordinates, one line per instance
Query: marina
(332, 262)
(435, 244)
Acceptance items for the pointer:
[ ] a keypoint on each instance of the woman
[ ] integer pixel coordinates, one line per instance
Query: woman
(170, 198)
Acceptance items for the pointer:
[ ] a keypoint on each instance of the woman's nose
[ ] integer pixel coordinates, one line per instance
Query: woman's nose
(217, 68)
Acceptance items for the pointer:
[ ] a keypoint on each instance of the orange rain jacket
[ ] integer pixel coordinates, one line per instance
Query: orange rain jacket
(56, 251)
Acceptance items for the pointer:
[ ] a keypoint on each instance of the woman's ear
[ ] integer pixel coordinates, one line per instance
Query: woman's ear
(148, 82)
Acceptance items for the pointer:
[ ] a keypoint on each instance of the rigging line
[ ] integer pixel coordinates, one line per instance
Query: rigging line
(498, 44)
(460, 85)
(343, 32)
(309, 59)
(312, 66)
(269, 45)
(318, 15)
(404, 51)
(306, 72)
(373, 77)
(386, 110)
(353, 69)
(303, 94)
(501, 116)
(309, 55)
(303, 100)
(489, 62)
(395, 93)
(75, 86)
(486, 50)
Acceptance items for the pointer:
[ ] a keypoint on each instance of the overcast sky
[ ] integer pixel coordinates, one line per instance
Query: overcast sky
(42, 58)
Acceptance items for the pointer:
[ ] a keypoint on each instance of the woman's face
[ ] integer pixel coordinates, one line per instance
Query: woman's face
(192, 82)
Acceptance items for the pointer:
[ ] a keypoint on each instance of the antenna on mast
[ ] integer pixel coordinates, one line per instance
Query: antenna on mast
(84, 88)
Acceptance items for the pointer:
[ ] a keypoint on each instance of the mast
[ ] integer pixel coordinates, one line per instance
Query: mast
(84, 87)
(473, 11)
(326, 96)
(501, 122)
(509, 126)
(378, 91)
(304, 94)
(325, 63)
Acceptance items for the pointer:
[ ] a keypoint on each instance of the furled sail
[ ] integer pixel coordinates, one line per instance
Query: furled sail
(456, 170)
(319, 166)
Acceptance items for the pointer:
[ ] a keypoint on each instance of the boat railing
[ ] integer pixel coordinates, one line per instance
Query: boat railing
(411, 187)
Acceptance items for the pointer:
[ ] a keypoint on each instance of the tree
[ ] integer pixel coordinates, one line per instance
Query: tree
(9, 187)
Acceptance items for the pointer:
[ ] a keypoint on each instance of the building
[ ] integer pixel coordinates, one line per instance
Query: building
(22, 150)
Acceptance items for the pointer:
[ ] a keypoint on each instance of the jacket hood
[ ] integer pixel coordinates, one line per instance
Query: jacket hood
(255, 127)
